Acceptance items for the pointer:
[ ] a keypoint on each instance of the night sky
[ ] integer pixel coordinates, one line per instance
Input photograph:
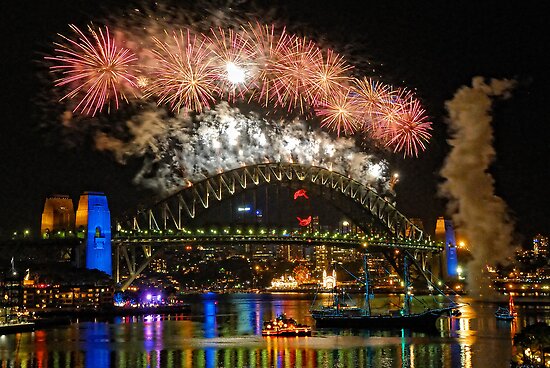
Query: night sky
(433, 47)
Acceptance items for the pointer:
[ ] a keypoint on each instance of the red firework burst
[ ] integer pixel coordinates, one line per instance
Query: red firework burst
(269, 48)
(386, 114)
(410, 132)
(340, 114)
(232, 59)
(184, 75)
(95, 69)
(371, 97)
(293, 83)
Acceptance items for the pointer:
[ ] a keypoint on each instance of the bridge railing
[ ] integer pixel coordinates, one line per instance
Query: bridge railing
(263, 235)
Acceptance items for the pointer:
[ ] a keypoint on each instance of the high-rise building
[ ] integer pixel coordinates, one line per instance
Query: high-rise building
(540, 245)
(321, 259)
(58, 216)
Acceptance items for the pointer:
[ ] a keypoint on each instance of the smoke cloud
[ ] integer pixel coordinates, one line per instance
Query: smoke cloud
(182, 149)
(477, 212)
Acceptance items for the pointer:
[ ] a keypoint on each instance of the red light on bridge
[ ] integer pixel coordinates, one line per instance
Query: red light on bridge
(304, 222)
(300, 193)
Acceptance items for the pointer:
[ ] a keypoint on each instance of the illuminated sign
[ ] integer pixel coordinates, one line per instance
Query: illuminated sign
(243, 209)
(300, 193)
(304, 222)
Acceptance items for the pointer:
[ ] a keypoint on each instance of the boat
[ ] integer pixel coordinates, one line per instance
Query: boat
(12, 328)
(340, 314)
(285, 326)
(506, 314)
(455, 313)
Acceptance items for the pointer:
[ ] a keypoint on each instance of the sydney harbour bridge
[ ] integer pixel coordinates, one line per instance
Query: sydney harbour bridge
(145, 234)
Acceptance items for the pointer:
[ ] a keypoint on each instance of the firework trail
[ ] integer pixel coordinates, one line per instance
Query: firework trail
(477, 212)
(95, 70)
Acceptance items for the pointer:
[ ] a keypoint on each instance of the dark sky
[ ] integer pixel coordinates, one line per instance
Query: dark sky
(432, 46)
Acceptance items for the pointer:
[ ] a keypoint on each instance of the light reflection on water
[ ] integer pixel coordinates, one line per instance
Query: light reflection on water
(225, 331)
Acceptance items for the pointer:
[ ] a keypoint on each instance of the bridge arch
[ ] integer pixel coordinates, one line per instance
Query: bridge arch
(174, 211)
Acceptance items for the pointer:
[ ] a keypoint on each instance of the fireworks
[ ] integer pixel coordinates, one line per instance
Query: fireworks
(95, 70)
(232, 60)
(293, 83)
(411, 130)
(269, 50)
(372, 97)
(186, 69)
(339, 114)
(184, 74)
(327, 76)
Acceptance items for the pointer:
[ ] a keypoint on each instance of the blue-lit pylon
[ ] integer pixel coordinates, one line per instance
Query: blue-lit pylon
(450, 249)
(93, 223)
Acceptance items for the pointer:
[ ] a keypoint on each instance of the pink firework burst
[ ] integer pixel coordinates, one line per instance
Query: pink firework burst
(293, 83)
(340, 114)
(269, 48)
(411, 130)
(371, 97)
(184, 75)
(328, 75)
(232, 60)
(387, 113)
(95, 69)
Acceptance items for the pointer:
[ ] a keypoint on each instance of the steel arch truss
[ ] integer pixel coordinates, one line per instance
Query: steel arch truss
(174, 211)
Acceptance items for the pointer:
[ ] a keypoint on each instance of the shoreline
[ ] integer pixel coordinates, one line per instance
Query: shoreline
(62, 317)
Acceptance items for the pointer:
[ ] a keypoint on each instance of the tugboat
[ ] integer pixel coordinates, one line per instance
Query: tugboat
(506, 314)
(341, 315)
(285, 326)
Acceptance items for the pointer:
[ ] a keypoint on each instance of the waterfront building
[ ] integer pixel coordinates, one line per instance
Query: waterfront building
(284, 283)
(11, 287)
(329, 281)
(70, 296)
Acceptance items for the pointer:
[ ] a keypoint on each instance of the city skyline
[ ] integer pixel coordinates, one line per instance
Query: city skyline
(438, 51)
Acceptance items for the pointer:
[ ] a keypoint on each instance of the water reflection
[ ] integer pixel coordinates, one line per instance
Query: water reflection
(96, 342)
(224, 331)
(210, 330)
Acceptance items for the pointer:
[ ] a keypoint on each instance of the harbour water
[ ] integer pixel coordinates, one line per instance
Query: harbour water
(225, 331)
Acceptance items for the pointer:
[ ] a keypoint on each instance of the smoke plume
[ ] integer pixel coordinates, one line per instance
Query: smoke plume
(477, 212)
(182, 149)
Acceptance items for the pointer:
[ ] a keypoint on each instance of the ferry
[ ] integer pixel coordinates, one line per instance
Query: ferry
(506, 314)
(285, 326)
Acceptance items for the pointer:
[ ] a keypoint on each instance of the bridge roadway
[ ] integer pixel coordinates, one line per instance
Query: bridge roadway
(225, 236)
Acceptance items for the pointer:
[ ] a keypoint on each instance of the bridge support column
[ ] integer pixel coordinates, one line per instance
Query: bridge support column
(93, 223)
